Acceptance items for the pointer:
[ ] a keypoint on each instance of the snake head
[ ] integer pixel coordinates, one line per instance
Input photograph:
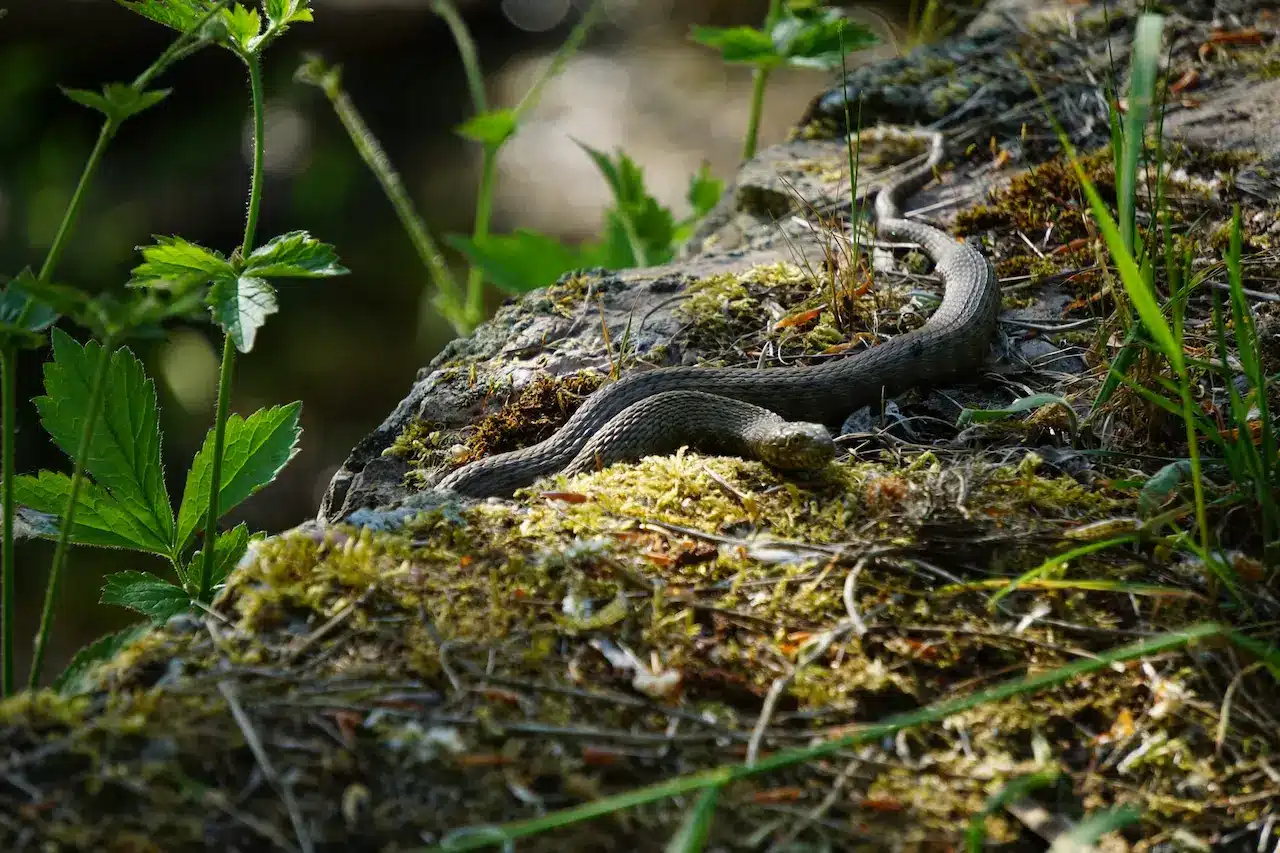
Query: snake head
(797, 446)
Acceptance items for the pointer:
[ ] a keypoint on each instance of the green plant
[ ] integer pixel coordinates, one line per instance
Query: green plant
(798, 33)
(491, 128)
(125, 504)
(26, 311)
(1137, 277)
(638, 230)
(1243, 435)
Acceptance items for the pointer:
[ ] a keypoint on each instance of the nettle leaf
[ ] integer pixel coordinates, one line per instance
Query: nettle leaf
(738, 44)
(520, 262)
(294, 255)
(124, 457)
(100, 520)
(240, 306)
(256, 450)
(640, 231)
(179, 14)
(76, 678)
(243, 25)
(704, 194)
(489, 128)
(814, 39)
(284, 12)
(151, 596)
(705, 190)
(118, 101)
(227, 552)
(24, 315)
(51, 300)
(174, 264)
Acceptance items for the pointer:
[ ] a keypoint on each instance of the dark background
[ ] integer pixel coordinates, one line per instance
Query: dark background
(347, 347)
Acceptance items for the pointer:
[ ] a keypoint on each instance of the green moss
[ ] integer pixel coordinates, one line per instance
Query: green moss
(1047, 193)
(531, 415)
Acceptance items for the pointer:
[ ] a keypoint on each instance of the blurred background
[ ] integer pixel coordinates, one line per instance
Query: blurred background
(347, 347)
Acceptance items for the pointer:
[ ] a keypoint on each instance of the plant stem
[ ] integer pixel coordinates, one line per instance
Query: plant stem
(97, 394)
(466, 52)
(1193, 450)
(227, 374)
(759, 78)
(255, 182)
(73, 208)
(215, 490)
(570, 46)
(9, 393)
(178, 49)
(448, 298)
(484, 209)
(473, 310)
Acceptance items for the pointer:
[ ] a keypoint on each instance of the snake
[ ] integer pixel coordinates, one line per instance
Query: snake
(776, 414)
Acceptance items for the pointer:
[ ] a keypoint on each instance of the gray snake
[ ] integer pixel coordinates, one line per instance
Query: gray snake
(647, 412)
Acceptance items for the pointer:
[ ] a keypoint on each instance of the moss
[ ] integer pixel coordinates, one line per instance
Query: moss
(452, 653)
(421, 444)
(1048, 193)
(531, 415)
(822, 313)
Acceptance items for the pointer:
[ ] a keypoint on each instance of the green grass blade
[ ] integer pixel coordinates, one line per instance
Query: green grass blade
(1054, 562)
(1142, 77)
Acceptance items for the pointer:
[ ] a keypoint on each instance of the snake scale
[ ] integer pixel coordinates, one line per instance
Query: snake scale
(742, 409)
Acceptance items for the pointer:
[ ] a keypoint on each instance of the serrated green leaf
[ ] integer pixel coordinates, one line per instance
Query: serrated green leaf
(705, 190)
(816, 38)
(257, 448)
(178, 14)
(243, 25)
(100, 520)
(240, 306)
(151, 596)
(738, 44)
(75, 679)
(50, 301)
(519, 262)
(489, 128)
(227, 552)
(19, 297)
(175, 263)
(86, 98)
(124, 457)
(281, 13)
(294, 255)
(118, 101)
(639, 230)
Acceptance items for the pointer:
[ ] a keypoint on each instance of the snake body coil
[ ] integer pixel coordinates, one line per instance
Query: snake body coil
(952, 343)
